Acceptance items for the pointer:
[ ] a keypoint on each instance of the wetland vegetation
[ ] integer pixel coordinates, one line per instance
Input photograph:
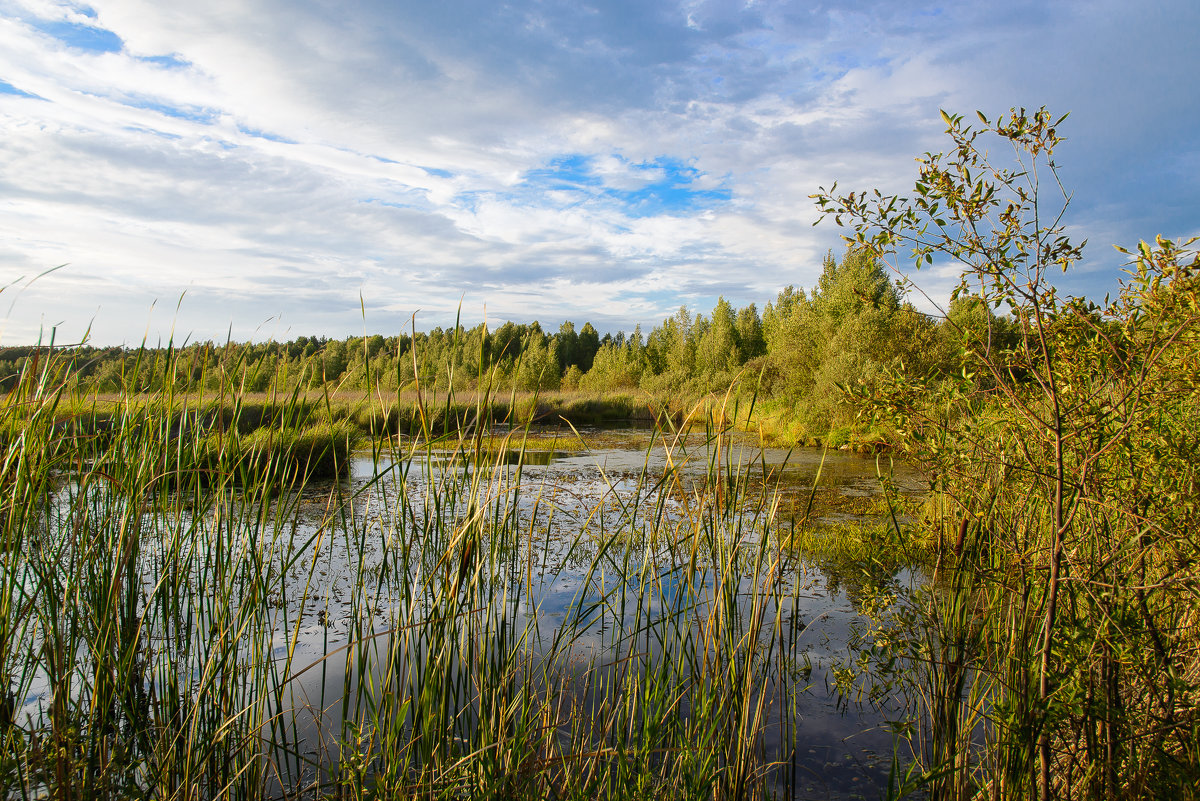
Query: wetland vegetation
(448, 615)
(423, 567)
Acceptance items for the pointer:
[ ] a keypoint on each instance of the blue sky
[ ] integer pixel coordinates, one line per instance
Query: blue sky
(271, 168)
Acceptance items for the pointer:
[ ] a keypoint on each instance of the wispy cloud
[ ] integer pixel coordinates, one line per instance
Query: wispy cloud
(281, 163)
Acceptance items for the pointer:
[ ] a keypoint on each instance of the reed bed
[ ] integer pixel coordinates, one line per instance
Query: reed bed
(186, 613)
(373, 414)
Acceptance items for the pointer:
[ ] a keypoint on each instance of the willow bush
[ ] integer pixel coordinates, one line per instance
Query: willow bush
(1062, 652)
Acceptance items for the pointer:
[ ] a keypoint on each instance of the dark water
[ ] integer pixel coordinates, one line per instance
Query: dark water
(830, 740)
(596, 517)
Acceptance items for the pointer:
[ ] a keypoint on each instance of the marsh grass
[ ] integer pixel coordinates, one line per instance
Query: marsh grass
(181, 618)
(372, 414)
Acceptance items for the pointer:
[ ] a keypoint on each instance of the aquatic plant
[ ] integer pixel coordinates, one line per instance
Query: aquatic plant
(181, 616)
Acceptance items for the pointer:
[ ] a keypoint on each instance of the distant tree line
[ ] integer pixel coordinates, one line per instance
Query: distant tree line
(847, 330)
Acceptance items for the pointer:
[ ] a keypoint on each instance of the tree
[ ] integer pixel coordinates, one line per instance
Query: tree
(589, 343)
(842, 334)
(566, 345)
(751, 343)
(778, 315)
(615, 367)
(1042, 459)
(506, 342)
(681, 348)
(373, 345)
(858, 283)
(538, 368)
(717, 348)
(333, 362)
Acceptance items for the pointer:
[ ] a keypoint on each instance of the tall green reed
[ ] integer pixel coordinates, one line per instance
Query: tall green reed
(200, 625)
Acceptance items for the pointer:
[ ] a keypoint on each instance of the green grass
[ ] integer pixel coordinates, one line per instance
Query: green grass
(165, 566)
(177, 570)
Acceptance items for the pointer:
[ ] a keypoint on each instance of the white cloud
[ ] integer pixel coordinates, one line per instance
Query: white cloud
(287, 156)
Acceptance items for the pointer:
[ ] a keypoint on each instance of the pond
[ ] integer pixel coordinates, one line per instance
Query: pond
(540, 605)
(827, 740)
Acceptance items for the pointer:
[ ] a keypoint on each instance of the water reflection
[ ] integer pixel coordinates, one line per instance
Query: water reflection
(819, 742)
(568, 573)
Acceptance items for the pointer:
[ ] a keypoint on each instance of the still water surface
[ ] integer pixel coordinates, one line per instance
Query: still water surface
(601, 521)
(828, 743)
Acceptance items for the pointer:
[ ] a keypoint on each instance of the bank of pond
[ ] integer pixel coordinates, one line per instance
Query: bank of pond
(363, 415)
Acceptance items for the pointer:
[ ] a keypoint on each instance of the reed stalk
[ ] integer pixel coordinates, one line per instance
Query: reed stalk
(183, 618)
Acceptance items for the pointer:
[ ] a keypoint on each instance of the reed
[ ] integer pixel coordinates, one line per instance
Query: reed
(181, 617)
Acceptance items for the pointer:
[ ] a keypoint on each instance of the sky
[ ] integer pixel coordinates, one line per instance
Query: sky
(267, 169)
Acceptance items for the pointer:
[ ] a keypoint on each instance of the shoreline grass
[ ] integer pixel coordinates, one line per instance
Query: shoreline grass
(409, 413)
(167, 626)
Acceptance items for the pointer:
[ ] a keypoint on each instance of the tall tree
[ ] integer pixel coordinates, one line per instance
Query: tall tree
(751, 343)
(717, 347)
(566, 345)
(588, 344)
